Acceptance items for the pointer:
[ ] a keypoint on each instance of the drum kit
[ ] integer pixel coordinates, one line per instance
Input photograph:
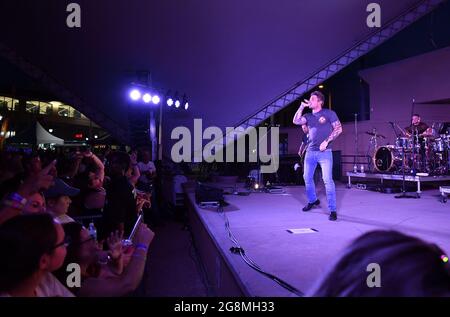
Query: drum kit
(420, 153)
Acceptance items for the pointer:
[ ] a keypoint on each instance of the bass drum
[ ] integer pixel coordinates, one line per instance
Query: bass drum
(387, 159)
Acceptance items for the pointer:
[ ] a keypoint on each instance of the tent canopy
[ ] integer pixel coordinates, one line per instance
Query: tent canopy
(36, 134)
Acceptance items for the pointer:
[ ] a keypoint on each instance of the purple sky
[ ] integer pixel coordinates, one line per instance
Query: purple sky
(230, 57)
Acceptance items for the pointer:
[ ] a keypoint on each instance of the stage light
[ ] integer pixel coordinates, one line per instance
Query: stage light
(156, 99)
(170, 102)
(87, 139)
(177, 99)
(135, 94)
(1, 118)
(444, 258)
(185, 102)
(320, 86)
(256, 186)
(147, 98)
(95, 136)
(50, 130)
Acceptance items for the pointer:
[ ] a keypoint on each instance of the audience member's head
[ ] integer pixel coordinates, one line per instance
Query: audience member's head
(81, 250)
(146, 156)
(118, 163)
(31, 245)
(88, 181)
(35, 204)
(58, 197)
(408, 266)
(94, 181)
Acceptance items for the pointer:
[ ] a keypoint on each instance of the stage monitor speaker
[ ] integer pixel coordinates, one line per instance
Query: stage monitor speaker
(208, 194)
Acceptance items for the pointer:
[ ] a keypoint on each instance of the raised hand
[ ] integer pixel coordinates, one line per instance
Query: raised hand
(42, 181)
(114, 242)
(305, 103)
(142, 201)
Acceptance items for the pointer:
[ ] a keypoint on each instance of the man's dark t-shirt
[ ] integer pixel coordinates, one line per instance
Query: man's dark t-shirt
(421, 128)
(320, 127)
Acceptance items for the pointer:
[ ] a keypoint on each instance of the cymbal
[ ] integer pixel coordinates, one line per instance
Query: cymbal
(376, 135)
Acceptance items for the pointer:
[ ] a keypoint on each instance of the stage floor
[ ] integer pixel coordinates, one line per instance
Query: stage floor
(260, 222)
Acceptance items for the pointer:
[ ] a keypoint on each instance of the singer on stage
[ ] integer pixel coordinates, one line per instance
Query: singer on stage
(324, 127)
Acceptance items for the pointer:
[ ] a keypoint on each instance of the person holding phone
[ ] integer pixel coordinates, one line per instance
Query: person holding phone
(114, 278)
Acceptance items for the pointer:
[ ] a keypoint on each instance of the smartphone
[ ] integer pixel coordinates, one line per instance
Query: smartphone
(129, 242)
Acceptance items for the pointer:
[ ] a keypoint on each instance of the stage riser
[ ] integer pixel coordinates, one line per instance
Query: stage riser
(220, 278)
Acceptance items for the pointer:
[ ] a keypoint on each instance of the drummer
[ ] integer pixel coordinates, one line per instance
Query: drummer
(422, 131)
(418, 127)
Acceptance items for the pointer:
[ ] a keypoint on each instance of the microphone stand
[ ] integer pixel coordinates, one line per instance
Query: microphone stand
(404, 194)
(260, 174)
(415, 134)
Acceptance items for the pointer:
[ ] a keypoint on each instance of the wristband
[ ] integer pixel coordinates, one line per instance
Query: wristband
(17, 198)
(13, 204)
(141, 246)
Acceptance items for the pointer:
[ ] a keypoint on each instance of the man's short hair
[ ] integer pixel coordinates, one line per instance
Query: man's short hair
(416, 115)
(319, 95)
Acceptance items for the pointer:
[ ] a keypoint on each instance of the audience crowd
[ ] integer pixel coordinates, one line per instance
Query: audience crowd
(71, 222)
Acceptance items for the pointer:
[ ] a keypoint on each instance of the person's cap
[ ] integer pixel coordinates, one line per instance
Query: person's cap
(60, 188)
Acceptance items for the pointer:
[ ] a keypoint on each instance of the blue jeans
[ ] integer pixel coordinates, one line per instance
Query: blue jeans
(325, 159)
